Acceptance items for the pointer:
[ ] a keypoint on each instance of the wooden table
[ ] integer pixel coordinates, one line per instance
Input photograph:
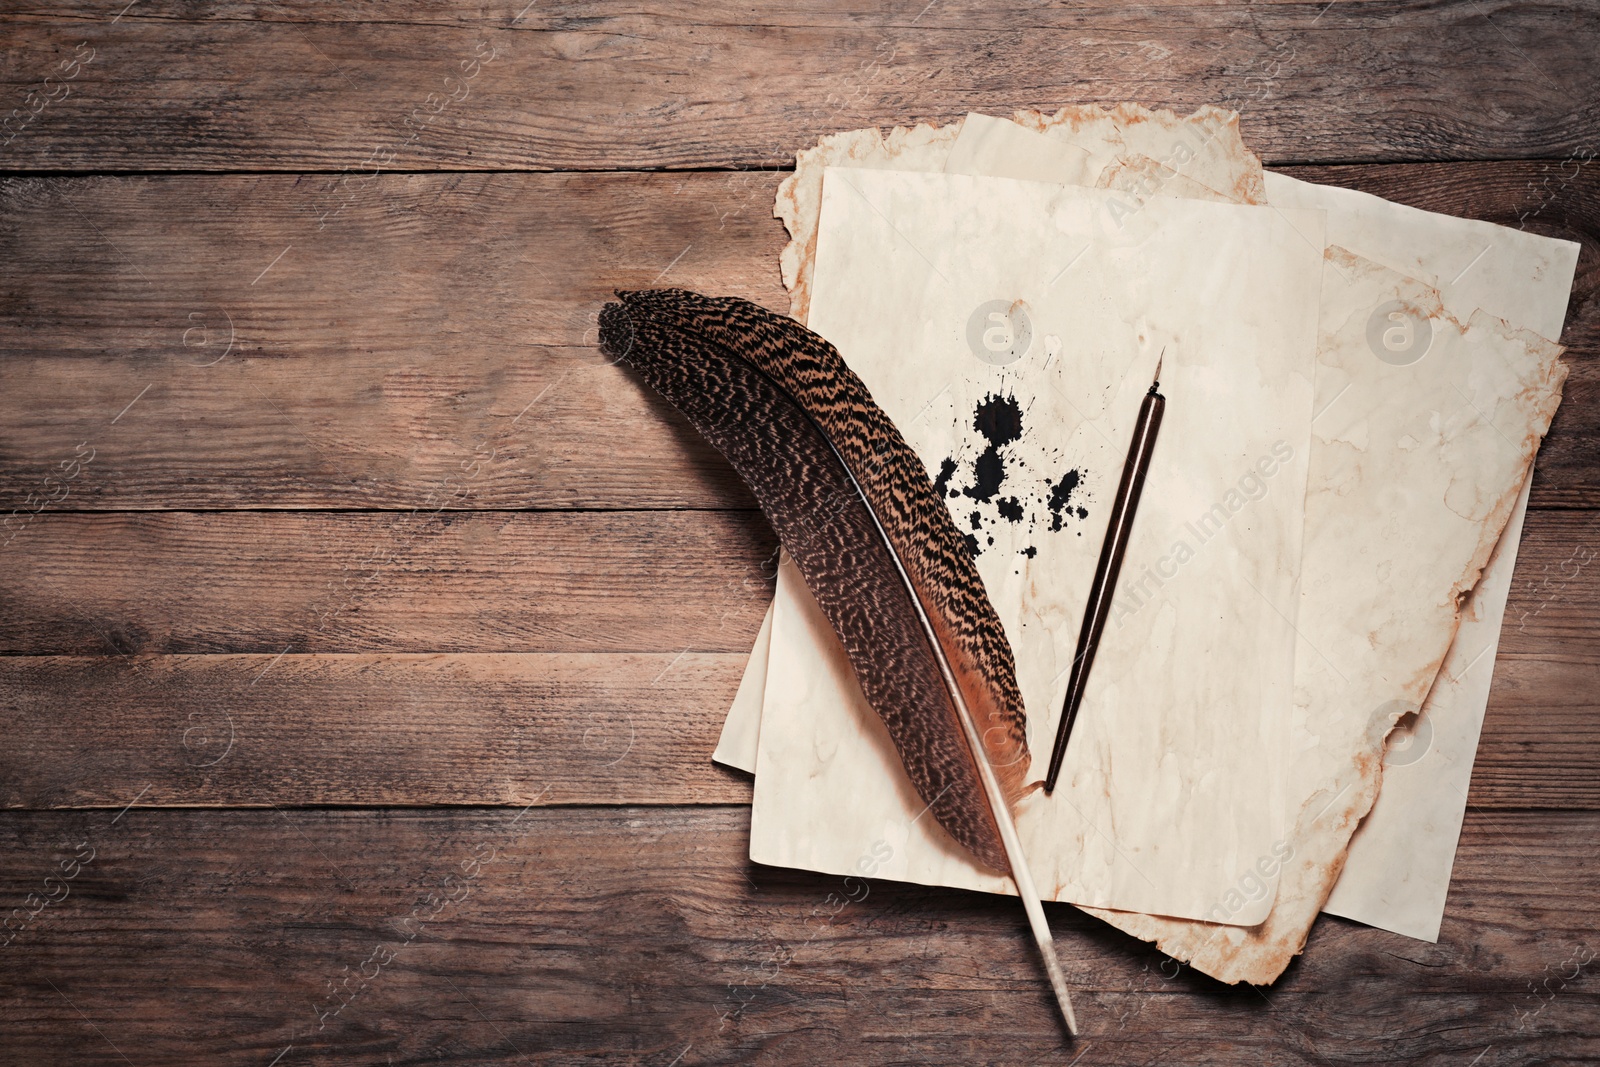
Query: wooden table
(367, 635)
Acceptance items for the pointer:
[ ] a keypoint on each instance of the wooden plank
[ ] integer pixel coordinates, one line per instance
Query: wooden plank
(529, 684)
(441, 324)
(1540, 746)
(422, 342)
(1555, 588)
(469, 729)
(644, 936)
(263, 582)
(446, 323)
(592, 86)
(389, 729)
(270, 582)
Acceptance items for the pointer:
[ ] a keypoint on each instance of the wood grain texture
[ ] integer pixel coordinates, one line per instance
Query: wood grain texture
(446, 323)
(584, 86)
(176, 582)
(858, 516)
(644, 936)
(367, 730)
(307, 380)
(1541, 735)
(527, 688)
(233, 582)
(439, 322)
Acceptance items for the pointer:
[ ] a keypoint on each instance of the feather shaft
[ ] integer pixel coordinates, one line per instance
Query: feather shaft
(1021, 874)
(894, 480)
(853, 506)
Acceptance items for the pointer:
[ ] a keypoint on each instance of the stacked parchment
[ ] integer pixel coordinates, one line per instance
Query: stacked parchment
(1355, 394)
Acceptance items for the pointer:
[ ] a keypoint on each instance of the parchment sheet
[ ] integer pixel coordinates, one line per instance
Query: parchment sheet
(1168, 792)
(1419, 452)
(1131, 140)
(1528, 281)
(1397, 872)
(1122, 143)
(741, 730)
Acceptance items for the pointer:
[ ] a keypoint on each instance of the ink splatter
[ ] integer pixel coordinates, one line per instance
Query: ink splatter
(1061, 496)
(999, 419)
(1032, 499)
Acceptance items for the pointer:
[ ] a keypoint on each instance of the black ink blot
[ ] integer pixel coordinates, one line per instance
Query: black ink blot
(1061, 496)
(998, 418)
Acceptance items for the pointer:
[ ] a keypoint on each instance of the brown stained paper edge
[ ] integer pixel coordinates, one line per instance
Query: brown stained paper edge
(1229, 953)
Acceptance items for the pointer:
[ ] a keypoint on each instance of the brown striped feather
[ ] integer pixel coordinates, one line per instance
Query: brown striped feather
(690, 348)
(853, 506)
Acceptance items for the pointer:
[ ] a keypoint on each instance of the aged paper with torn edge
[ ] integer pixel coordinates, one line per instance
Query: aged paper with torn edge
(1174, 783)
(1426, 437)
(1397, 871)
(1129, 142)
(741, 730)
(1125, 145)
(1492, 291)
(1403, 881)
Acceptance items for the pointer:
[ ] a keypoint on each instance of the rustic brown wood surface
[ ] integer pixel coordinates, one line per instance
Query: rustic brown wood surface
(503, 936)
(590, 86)
(364, 635)
(415, 329)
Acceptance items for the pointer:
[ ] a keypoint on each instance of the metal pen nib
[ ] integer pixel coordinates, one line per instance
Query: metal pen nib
(1110, 564)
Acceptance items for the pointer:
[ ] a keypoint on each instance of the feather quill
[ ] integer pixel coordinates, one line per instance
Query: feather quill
(853, 506)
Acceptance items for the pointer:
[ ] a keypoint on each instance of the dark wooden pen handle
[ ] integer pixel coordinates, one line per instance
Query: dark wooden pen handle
(1105, 572)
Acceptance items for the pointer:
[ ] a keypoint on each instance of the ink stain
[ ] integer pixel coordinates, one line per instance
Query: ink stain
(989, 471)
(999, 420)
(1032, 497)
(1061, 496)
(1031, 551)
